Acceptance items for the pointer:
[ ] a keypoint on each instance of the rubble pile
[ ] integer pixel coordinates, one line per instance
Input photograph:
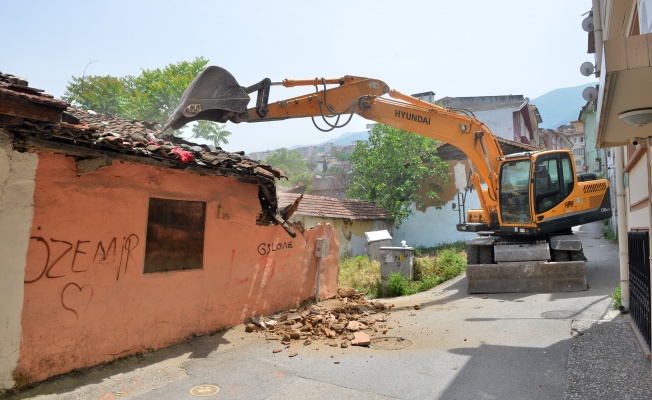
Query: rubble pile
(347, 319)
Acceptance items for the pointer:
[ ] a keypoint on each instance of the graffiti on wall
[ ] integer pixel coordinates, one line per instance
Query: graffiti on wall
(70, 259)
(266, 248)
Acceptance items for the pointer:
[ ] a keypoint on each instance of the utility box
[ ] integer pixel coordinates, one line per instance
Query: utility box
(395, 259)
(322, 247)
(376, 240)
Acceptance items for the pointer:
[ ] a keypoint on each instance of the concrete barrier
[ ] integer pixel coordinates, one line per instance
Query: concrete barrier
(527, 277)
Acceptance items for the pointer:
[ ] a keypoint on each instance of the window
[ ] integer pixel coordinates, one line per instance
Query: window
(567, 172)
(514, 193)
(547, 190)
(175, 235)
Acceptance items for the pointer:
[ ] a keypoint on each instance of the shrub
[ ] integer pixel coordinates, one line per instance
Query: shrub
(398, 285)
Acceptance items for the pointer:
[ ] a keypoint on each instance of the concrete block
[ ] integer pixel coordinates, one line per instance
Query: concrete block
(527, 277)
(522, 252)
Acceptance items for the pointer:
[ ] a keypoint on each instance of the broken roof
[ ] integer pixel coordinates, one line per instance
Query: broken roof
(86, 132)
(330, 207)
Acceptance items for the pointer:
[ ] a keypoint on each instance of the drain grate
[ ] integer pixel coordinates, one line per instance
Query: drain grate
(204, 390)
(559, 314)
(390, 343)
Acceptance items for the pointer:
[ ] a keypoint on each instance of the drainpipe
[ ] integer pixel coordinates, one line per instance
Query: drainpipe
(621, 224)
(597, 35)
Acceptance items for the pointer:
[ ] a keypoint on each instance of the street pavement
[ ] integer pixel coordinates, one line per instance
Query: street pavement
(570, 345)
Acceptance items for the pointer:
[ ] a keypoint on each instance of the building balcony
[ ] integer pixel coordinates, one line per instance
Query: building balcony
(625, 86)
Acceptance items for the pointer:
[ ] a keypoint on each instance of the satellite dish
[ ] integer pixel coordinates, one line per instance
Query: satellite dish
(587, 68)
(587, 24)
(590, 93)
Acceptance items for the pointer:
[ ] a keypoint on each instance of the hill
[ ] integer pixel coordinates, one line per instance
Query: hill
(560, 106)
(348, 138)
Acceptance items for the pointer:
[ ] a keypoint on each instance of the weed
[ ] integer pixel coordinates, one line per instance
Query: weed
(610, 235)
(431, 251)
(616, 296)
(21, 380)
(361, 274)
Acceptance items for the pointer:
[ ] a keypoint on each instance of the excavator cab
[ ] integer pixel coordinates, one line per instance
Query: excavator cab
(539, 193)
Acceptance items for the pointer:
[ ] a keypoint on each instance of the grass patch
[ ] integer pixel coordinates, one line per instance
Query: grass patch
(432, 266)
(616, 296)
(361, 274)
(610, 235)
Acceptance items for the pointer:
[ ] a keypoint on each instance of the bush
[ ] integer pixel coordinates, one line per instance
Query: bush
(398, 285)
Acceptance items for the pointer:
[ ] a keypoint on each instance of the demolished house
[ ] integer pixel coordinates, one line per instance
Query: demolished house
(117, 240)
(350, 218)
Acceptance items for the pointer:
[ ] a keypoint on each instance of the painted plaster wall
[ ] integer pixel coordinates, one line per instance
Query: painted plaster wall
(17, 172)
(638, 217)
(86, 297)
(434, 226)
(499, 121)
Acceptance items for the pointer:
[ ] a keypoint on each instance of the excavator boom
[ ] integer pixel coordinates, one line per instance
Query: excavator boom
(215, 95)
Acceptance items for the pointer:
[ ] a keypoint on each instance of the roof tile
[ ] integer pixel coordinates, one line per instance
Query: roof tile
(330, 207)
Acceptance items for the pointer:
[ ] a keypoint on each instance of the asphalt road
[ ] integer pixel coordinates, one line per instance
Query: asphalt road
(457, 346)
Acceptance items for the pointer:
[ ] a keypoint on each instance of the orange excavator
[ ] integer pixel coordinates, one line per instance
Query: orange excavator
(529, 201)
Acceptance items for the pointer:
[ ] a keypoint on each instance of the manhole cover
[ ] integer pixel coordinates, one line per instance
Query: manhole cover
(204, 390)
(559, 314)
(390, 343)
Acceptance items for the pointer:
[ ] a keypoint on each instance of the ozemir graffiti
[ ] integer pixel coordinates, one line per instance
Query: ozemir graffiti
(63, 258)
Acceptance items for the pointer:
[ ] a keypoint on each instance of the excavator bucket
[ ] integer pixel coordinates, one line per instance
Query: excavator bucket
(213, 95)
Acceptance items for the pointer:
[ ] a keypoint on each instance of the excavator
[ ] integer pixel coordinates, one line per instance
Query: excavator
(529, 201)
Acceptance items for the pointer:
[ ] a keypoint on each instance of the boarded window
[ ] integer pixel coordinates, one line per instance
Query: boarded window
(175, 235)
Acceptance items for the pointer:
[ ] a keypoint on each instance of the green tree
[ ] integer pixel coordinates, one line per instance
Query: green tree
(151, 96)
(210, 131)
(291, 162)
(392, 166)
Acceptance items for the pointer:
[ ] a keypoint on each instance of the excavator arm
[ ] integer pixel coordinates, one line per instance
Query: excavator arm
(215, 95)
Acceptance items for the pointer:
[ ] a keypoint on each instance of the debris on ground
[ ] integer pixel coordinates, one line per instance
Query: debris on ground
(347, 319)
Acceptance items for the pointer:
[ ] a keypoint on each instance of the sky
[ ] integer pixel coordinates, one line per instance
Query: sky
(453, 48)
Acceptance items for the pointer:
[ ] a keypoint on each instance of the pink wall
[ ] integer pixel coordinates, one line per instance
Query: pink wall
(82, 308)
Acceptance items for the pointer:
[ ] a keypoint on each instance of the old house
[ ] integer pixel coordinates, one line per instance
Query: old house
(116, 240)
(350, 218)
(509, 117)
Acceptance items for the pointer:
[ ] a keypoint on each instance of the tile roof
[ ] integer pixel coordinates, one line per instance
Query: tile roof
(139, 138)
(17, 88)
(89, 131)
(329, 207)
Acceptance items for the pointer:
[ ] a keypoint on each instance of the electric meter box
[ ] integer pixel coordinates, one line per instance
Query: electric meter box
(396, 259)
